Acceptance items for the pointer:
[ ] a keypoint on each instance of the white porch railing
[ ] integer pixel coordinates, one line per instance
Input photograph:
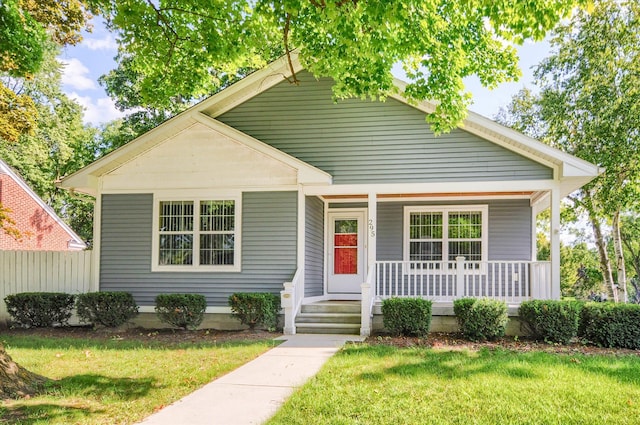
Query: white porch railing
(366, 305)
(291, 301)
(444, 281)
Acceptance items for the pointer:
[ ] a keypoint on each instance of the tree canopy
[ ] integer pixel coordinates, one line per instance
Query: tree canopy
(184, 49)
(27, 27)
(589, 106)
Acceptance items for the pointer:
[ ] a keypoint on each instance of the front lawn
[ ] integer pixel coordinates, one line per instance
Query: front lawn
(378, 384)
(114, 381)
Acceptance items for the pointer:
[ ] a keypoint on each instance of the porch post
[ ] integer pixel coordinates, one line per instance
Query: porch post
(372, 229)
(555, 243)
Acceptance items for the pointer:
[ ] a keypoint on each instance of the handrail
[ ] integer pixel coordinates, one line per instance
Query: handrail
(291, 301)
(366, 305)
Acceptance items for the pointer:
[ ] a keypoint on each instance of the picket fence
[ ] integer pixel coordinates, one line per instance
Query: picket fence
(44, 271)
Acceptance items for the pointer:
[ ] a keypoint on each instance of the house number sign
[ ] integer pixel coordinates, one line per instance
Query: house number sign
(372, 228)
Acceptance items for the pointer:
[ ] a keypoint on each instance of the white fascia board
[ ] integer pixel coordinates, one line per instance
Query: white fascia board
(307, 174)
(436, 187)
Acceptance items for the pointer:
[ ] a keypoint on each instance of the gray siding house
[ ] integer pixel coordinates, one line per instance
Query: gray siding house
(268, 186)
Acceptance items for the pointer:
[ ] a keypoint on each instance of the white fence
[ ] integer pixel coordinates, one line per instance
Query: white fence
(44, 271)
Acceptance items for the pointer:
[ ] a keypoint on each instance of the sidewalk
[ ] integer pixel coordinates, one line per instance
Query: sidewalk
(254, 392)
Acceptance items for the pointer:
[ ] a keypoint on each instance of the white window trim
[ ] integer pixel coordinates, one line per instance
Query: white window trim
(237, 248)
(445, 210)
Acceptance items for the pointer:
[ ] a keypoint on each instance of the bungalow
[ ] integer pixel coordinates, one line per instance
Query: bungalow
(345, 203)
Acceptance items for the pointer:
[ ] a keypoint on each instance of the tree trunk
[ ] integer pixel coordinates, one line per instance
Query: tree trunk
(605, 263)
(16, 381)
(617, 244)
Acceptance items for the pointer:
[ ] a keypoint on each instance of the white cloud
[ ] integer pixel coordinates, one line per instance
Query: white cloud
(74, 74)
(98, 110)
(106, 43)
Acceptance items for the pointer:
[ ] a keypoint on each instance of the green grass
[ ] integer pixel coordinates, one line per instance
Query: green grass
(386, 385)
(115, 382)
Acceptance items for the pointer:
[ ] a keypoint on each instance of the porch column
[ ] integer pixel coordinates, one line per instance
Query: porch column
(372, 229)
(555, 243)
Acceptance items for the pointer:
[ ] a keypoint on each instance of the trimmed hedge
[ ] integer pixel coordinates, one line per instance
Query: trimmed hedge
(40, 309)
(611, 325)
(110, 309)
(407, 316)
(256, 308)
(551, 320)
(481, 319)
(181, 310)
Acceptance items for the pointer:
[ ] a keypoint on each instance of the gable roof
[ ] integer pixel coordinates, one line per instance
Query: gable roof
(75, 241)
(570, 170)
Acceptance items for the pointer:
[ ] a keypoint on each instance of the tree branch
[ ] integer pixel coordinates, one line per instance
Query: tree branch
(285, 39)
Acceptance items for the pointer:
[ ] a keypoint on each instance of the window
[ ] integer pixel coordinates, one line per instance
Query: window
(434, 234)
(195, 235)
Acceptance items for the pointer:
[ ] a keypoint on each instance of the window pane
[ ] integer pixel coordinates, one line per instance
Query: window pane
(465, 225)
(425, 225)
(176, 216)
(346, 226)
(425, 251)
(176, 250)
(472, 251)
(217, 216)
(217, 249)
(345, 261)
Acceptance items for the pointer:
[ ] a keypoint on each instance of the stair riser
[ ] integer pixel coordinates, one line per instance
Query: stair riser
(305, 330)
(315, 308)
(327, 319)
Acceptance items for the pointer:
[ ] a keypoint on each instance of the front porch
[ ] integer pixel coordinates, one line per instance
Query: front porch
(441, 282)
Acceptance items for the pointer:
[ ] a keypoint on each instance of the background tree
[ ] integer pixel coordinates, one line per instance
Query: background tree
(26, 29)
(59, 145)
(184, 48)
(589, 106)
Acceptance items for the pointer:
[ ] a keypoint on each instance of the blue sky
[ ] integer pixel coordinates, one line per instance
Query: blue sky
(85, 63)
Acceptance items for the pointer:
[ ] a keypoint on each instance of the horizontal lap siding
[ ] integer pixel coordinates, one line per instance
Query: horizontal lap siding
(314, 247)
(371, 142)
(509, 228)
(268, 250)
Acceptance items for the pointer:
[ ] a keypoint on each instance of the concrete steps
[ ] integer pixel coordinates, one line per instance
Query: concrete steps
(329, 317)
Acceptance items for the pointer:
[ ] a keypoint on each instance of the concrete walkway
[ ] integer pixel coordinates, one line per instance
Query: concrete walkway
(254, 392)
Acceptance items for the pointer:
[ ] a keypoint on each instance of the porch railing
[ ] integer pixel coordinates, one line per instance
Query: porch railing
(291, 301)
(511, 281)
(368, 298)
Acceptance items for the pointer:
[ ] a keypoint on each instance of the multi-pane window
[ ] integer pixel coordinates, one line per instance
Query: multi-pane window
(442, 234)
(198, 233)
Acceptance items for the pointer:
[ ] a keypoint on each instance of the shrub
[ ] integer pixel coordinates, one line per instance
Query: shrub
(40, 309)
(181, 310)
(611, 325)
(110, 309)
(551, 321)
(407, 316)
(256, 308)
(481, 319)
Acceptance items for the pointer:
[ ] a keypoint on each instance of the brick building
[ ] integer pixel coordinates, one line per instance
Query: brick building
(41, 228)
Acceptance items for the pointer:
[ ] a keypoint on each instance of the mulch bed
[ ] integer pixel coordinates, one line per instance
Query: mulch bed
(436, 340)
(162, 336)
(451, 341)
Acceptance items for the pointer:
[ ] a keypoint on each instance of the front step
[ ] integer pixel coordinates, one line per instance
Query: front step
(328, 328)
(330, 317)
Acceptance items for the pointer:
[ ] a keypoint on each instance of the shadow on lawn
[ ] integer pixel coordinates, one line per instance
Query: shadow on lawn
(86, 388)
(27, 414)
(463, 364)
